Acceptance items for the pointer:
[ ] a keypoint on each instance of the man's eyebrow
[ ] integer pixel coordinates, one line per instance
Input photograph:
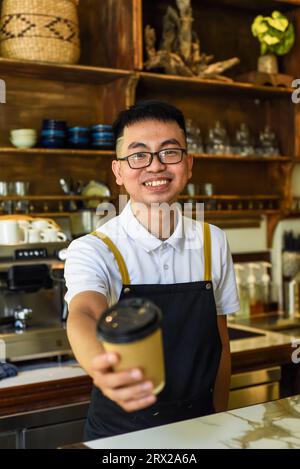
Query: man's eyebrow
(136, 145)
(170, 141)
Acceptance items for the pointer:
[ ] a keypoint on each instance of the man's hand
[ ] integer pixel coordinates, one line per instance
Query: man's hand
(127, 388)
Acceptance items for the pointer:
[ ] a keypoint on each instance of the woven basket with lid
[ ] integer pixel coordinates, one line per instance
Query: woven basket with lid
(40, 30)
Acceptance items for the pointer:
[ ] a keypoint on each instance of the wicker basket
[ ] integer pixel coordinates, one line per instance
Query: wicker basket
(41, 30)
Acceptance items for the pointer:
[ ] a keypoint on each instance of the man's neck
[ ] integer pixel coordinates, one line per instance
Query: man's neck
(158, 219)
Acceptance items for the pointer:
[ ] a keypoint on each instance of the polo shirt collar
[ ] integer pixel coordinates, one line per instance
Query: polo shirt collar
(146, 240)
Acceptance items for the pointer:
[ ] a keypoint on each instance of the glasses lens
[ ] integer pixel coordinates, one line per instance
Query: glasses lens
(171, 155)
(139, 160)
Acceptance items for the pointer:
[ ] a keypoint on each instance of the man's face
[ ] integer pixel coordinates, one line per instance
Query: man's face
(152, 135)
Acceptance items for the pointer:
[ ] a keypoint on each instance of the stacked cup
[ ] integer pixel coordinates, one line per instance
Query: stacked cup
(78, 137)
(102, 136)
(53, 133)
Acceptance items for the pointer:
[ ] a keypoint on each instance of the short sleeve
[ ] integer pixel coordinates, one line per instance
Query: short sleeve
(85, 270)
(226, 294)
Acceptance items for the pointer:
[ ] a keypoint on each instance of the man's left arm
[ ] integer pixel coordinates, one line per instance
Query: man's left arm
(222, 383)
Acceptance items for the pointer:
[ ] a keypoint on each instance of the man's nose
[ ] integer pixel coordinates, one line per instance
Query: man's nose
(156, 165)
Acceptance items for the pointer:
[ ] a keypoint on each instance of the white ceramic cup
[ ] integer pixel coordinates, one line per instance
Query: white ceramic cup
(34, 235)
(50, 235)
(11, 233)
(42, 225)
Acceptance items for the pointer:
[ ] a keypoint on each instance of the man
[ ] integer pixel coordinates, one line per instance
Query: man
(188, 273)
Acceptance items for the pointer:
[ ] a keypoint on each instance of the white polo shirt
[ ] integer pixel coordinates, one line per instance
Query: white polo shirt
(91, 266)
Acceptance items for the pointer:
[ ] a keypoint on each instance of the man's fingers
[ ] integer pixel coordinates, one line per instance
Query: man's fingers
(104, 361)
(129, 393)
(132, 406)
(117, 379)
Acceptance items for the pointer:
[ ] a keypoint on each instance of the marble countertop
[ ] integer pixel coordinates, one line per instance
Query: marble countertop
(43, 372)
(272, 425)
(268, 339)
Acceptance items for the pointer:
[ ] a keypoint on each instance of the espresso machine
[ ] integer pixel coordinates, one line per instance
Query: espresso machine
(32, 307)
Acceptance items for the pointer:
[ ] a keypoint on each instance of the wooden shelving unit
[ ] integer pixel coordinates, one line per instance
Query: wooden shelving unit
(68, 73)
(56, 152)
(111, 153)
(198, 85)
(244, 159)
(110, 77)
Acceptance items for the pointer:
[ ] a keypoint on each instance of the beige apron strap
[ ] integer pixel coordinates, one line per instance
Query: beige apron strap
(207, 252)
(118, 256)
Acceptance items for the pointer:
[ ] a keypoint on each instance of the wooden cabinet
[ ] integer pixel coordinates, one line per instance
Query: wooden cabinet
(110, 77)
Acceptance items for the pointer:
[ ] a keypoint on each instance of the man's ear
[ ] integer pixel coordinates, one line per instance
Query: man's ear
(116, 168)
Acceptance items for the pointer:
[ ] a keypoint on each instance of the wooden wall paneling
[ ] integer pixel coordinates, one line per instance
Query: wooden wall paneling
(280, 115)
(29, 101)
(107, 33)
(44, 172)
(206, 107)
(138, 34)
(236, 178)
(297, 131)
(290, 62)
(256, 6)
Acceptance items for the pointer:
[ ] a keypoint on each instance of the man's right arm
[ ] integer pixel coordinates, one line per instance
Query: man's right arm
(127, 388)
(85, 310)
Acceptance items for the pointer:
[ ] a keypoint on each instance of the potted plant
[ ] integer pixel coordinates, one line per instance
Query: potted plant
(276, 36)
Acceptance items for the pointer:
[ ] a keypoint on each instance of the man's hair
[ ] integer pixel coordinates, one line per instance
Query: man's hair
(147, 110)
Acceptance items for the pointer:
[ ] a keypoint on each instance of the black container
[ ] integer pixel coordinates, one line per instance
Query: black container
(129, 320)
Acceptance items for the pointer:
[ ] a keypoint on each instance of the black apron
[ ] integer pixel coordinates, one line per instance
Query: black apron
(192, 352)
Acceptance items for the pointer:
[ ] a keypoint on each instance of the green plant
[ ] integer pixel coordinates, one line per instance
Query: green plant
(275, 33)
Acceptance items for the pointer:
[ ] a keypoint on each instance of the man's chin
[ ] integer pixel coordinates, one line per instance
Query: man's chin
(160, 199)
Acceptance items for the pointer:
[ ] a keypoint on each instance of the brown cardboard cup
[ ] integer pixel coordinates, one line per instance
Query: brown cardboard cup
(132, 329)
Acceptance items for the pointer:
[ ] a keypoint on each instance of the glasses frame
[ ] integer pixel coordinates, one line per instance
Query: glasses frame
(152, 154)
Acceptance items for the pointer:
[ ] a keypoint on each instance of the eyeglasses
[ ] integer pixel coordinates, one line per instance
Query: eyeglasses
(143, 159)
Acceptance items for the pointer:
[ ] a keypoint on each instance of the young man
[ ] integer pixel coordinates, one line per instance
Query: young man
(188, 273)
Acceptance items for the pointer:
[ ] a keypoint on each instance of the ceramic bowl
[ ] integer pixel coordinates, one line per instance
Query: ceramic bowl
(18, 133)
(24, 141)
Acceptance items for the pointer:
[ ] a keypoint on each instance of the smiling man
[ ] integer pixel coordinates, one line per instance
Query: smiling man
(186, 270)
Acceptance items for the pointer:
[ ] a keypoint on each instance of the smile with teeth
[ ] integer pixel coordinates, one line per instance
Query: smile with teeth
(159, 182)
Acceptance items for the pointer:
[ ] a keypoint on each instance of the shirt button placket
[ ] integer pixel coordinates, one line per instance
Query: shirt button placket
(165, 263)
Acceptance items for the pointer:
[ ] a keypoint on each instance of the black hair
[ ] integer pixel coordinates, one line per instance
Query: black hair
(148, 110)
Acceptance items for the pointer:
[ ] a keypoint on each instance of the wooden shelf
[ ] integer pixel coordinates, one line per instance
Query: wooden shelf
(54, 197)
(56, 152)
(111, 153)
(56, 72)
(231, 197)
(194, 85)
(255, 5)
(209, 214)
(238, 213)
(244, 159)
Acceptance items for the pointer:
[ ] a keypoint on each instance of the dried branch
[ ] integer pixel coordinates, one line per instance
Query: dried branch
(180, 49)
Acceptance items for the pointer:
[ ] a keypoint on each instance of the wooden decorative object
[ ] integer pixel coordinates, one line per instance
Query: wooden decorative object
(271, 79)
(180, 51)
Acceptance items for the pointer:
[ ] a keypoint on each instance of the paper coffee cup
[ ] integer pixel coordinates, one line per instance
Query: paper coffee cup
(132, 329)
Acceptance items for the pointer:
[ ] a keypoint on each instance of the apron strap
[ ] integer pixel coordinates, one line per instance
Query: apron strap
(207, 252)
(118, 256)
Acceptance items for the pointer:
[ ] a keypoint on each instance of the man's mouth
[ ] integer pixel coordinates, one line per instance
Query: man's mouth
(157, 182)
